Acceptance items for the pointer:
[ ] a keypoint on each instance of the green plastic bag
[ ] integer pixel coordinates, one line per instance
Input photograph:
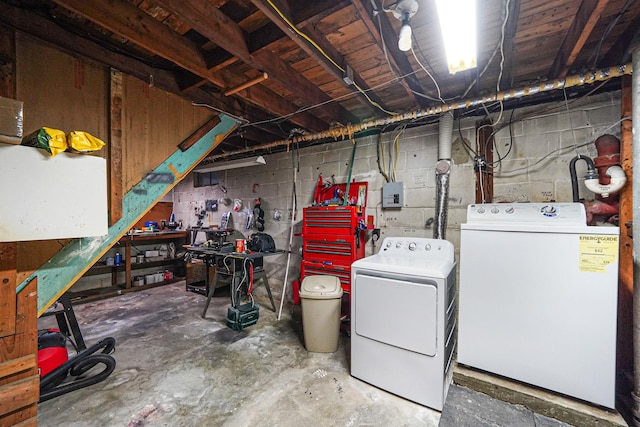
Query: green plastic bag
(53, 141)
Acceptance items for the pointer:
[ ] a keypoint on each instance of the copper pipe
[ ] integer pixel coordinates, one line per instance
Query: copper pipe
(243, 86)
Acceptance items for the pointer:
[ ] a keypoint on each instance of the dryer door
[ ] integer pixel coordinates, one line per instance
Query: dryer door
(396, 312)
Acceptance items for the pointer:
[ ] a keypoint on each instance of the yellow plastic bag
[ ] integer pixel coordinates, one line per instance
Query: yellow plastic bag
(84, 142)
(54, 141)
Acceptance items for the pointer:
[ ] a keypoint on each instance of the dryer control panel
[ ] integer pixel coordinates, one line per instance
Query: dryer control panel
(543, 213)
(416, 247)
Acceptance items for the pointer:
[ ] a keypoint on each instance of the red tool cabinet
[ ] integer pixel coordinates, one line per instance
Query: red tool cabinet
(333, 238)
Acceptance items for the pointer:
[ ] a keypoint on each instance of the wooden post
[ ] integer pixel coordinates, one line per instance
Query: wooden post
(19, 381)
(625, 282)
(115, 149)
(484, 149)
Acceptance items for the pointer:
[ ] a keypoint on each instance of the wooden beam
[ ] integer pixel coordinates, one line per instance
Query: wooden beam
(484, 147)
(625, 266)
(126, 20)
(199, 133)
(47, 31)
(8, 278)
(335, 64)
(115, 149)
(205, 18)
(397, 58)
(509, 39)
(619, 51)
(583, 23)
(8, 251)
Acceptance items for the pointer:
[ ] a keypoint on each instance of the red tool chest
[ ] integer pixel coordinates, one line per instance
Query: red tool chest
(333, 238)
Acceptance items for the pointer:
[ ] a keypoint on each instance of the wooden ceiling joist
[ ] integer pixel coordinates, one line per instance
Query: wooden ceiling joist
(581, 27)
(205, 19)
(128, 21)
(335, 64)
(397, 58)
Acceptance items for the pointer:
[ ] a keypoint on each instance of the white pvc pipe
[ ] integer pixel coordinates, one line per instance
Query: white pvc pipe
(618, 179)
(293, 221)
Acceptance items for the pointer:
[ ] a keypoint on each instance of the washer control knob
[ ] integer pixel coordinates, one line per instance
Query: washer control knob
(495, 210)
(388, 244)
(481, 210)
(412, 246)
(549, 210)
(510, 210)
(398, 245)
(427, 247)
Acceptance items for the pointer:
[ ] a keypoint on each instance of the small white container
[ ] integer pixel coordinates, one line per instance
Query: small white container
(159, 277)
(149, 279)
(138, 281)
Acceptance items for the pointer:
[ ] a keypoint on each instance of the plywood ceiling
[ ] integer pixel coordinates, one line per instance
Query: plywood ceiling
(201, 49)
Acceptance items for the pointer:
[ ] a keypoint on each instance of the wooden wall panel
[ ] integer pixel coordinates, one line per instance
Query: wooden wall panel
(19, 381)
(60, 91)
(159, 211)
(154, 123)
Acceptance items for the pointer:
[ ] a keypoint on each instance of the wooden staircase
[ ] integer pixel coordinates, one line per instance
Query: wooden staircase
(69, 264)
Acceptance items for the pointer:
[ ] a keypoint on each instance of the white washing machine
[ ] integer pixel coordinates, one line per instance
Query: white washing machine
(403, 318)
(538, 297)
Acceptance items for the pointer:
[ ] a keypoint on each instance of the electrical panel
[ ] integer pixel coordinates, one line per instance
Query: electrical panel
(392, 195)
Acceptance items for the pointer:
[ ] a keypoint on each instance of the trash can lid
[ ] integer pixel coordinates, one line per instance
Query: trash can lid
(320, 287)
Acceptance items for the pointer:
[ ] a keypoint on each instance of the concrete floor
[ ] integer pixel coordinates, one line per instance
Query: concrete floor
(176, 369)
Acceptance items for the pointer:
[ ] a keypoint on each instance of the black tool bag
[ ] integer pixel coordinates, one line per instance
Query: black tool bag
(242, 316)
(261, 242)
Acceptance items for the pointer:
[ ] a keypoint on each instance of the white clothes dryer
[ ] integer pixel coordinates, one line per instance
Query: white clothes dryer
(403, 318)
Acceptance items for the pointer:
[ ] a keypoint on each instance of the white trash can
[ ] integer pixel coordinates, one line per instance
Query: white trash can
(321, 298)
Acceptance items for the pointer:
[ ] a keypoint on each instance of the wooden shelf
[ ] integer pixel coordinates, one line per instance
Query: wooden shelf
(126, 243)
(102, 268)
(111, 291)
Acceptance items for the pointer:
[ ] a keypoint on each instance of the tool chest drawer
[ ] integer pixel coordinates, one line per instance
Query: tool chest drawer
(329, 220)
(329, 248)
(342, 272)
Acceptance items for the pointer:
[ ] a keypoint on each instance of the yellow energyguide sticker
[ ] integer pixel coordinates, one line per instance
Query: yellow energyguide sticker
(597, 251)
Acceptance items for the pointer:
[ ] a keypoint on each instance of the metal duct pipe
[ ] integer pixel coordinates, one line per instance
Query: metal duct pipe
(445, 136)
(347, 132)
(635, 95)
(443, 167)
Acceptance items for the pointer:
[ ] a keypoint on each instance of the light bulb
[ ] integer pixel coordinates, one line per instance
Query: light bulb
(404, 38)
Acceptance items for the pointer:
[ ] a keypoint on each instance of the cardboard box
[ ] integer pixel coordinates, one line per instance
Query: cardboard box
(11, 121)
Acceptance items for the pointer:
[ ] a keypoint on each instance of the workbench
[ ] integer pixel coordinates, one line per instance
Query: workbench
(237, 268)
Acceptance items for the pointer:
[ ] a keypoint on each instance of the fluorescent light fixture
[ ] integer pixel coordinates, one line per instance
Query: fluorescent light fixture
(233, 164)
(458, 26)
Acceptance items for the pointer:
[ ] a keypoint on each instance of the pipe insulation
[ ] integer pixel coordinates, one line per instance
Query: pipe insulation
(347, 132)
(635, 96)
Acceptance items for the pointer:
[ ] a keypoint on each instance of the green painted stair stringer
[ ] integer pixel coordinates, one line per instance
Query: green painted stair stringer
(69, 264)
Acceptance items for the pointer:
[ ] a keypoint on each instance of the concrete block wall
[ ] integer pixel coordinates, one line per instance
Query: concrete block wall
(528, 173)
(544, 142)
